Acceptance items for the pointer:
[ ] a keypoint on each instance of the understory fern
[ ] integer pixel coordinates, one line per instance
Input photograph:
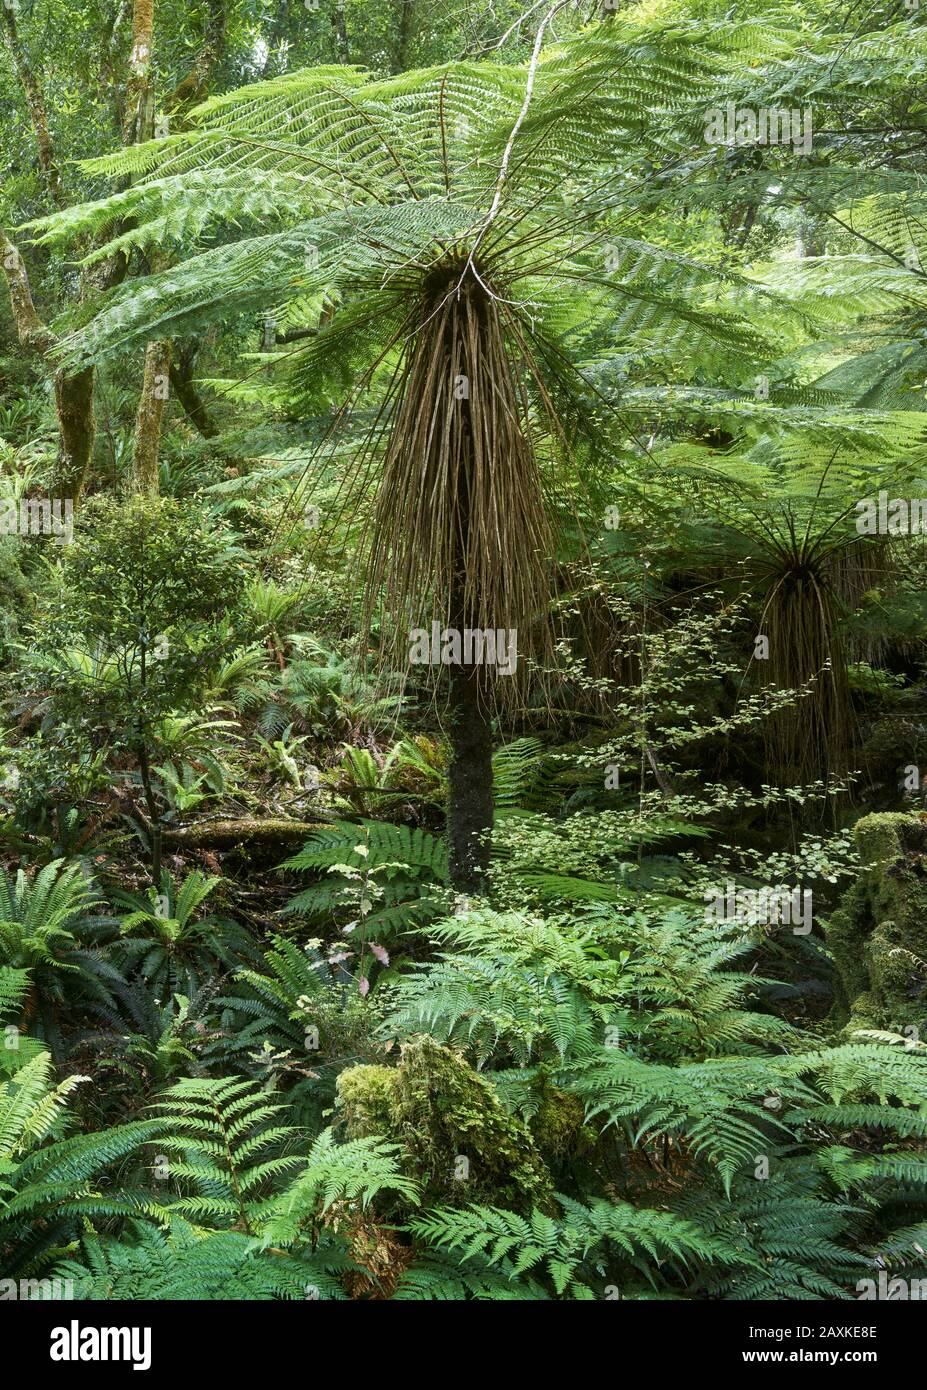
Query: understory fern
(406, 868)
(572, 1251)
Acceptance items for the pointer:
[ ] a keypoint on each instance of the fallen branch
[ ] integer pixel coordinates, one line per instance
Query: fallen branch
(227, 834)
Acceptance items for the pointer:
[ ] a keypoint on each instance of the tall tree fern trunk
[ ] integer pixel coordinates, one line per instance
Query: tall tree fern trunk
(470, 804)
(460, 534)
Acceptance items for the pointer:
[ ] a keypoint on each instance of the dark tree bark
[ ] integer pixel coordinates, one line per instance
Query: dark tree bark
(155, 827)
(405, 33)
(342, 47)
(470, 802)
(184, 389)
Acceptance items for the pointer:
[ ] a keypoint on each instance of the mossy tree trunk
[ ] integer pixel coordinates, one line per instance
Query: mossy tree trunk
(183, 386)
(155, 382)
(139, 104)
(77, 431)
(73, 390)
(35, 100)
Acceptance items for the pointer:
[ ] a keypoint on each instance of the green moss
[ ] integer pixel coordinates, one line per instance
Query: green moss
(878, 935)
(367, 1097)
(559, 1129)
(462, 1144)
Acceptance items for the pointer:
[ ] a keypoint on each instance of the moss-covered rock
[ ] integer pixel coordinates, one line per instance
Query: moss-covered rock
(462, 1144)
(878, 934)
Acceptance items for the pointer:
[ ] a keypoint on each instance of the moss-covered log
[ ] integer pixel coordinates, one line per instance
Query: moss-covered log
(228, 834)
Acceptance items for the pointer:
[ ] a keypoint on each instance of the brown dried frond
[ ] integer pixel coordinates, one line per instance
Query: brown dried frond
(383, 1255)
(807, 739)
(460, 532)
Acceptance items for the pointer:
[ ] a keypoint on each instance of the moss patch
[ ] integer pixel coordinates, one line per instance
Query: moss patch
(878, 935)
(462, 1144)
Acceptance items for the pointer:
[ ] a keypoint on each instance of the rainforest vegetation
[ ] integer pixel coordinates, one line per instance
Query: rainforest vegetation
(463, 649)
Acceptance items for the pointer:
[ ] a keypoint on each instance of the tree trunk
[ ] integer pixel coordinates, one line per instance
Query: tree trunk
(73, 390)
(35, 99)
(342, 47)
(470, 804)
(110, 61)
(155, 385)
(156, 374)
(233, 834)
(184, 388)
(155, 827)
(139, 108)
(195, 86)
(405, 33)
(77, 429)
